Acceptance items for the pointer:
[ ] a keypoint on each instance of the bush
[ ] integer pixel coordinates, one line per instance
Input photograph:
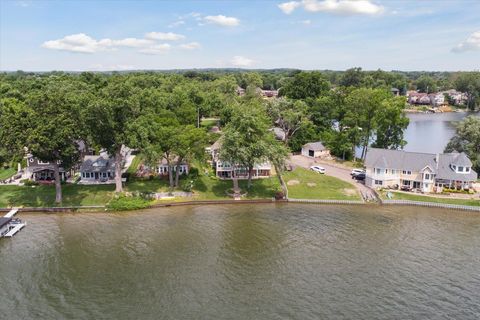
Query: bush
(124, 203)
(28, 182)
(193, 173)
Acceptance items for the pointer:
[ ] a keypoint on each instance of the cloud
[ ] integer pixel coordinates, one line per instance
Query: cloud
(289, 7)
(346, 7)
(472, 43)
(222, 20)
(79, 42)
(176, 24)
(164, 36)
(239, 61)
(306, 22)
(190, 46)
(156, 49)
(129, 42)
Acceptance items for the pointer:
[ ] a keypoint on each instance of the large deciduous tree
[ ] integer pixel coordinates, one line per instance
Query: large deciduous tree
(470, 84)
(109, 117)
(246, 140)
(467, 139)
(305, 85)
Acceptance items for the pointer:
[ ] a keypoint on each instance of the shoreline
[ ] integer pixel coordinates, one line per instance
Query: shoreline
(85, 209)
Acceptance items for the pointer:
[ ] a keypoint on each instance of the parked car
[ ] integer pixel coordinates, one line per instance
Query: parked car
(405, 188)
(356, 171)
(360, 176)
(318, 169)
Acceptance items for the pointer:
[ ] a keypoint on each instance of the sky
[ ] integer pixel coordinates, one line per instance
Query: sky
(110, 35)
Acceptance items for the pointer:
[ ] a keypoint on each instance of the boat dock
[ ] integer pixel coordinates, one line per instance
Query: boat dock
(10, 226)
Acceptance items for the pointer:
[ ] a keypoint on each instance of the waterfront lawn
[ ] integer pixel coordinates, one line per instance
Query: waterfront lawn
(306, 184)
(6, 173)
(416, 197)
(147, 185)
(44, 196)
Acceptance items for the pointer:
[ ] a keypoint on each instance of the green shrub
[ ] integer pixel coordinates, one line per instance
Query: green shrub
(28, 182)
(124, 203)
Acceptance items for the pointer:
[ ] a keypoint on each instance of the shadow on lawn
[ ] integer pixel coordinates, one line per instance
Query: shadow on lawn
(44, 196)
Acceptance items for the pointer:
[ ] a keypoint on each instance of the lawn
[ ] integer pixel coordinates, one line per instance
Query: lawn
(134, 165)
(44, 196)
(6, 173)
(416, 197)
(306, 184)
(209, 122)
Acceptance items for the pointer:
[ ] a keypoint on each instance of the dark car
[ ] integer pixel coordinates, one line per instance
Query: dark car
(360, 176)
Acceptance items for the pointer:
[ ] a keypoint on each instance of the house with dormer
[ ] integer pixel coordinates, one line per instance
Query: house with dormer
(426, 172)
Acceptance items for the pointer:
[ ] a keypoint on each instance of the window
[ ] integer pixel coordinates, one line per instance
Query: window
(31, 159)
(386, 171)
(378, 171)
(467, 169)
(41, 162)
(460, 169)
(427, 176)
(379, 182)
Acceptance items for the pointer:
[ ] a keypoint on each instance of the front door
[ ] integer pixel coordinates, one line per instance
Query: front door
(96, 175)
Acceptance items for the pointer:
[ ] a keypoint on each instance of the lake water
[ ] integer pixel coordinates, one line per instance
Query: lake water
(431, 132)
(244, 262)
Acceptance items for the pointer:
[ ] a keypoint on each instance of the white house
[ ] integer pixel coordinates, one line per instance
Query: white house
(424, 171)
(315, 150)
(99, 168)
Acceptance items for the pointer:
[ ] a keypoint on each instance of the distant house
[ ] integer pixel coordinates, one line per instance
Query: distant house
(97, 169)
(240, 91)
(42, 171)
(269, 93)
(163, 169)
(458, 98)
(278, 133)
(424, 171)
(395, 91)
(226, 170)
(315, 150)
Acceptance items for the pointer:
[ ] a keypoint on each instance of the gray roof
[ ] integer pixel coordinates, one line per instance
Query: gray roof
(399, 159)
(99, 163)
(416, 161)
(315, 146)
(446, 172)
(461, 160)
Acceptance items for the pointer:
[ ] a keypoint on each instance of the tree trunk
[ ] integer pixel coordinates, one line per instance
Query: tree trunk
(365, 144)
(177, 173)
(58, 184)
(282, 182)
(170, 175)
(249, 184)
(118, 170)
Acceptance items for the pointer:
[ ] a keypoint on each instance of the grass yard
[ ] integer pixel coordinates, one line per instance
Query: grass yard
(209, 122)
(306, 184)
(137, 160)
(416, 197)
(44, 196)
(6, 173)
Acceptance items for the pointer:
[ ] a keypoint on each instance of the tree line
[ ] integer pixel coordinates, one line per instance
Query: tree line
(159, 115)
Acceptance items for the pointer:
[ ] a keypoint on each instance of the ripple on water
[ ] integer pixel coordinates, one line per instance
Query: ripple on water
(237, 262)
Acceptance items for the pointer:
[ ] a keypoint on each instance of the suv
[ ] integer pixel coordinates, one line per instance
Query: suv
(357, 171)
(318, 169)
(360, 176)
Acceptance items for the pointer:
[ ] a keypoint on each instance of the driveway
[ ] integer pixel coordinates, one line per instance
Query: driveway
(337, 172)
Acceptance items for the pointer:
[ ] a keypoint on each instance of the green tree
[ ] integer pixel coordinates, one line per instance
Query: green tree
(470, 84)
(305, 85)
(109, 118)
(353, 77)
(426, 84)
(391, 122)
(290, 116)
(467, 139)
(246, 140)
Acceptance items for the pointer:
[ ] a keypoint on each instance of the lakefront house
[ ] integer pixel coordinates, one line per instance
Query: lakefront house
(226, 170)
(42, 171)
(426, 172)
(97, 169)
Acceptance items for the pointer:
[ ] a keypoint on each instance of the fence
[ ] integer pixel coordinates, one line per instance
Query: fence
(431, 204)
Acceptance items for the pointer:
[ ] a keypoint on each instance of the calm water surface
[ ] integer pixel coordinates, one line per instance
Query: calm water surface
(431, 132)
(244, 262)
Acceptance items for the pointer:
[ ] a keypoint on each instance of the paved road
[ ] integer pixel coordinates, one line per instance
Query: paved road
(340, 173)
